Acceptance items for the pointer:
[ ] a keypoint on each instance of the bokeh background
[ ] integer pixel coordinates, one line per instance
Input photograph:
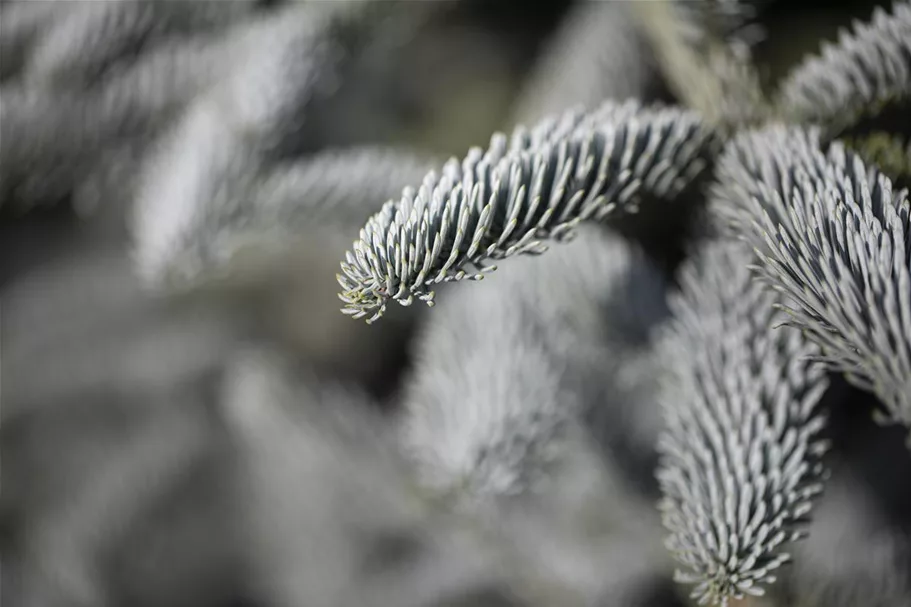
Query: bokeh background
(152, 448)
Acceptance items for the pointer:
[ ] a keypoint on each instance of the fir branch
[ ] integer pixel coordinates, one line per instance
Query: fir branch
(86, 43)
(733, 21)
(317, 468)
(22, 25)
(741, 453)
(834, 236)
(537, 185)
(508, 370)
(269, 71)
(51, 141)
(209, 201)
(596, 54)
(706, 64)
(487, 418)
(854, 78)
(223, 184)
(229, 178)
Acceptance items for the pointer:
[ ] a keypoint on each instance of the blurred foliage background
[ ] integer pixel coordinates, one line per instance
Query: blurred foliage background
(118, 465)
